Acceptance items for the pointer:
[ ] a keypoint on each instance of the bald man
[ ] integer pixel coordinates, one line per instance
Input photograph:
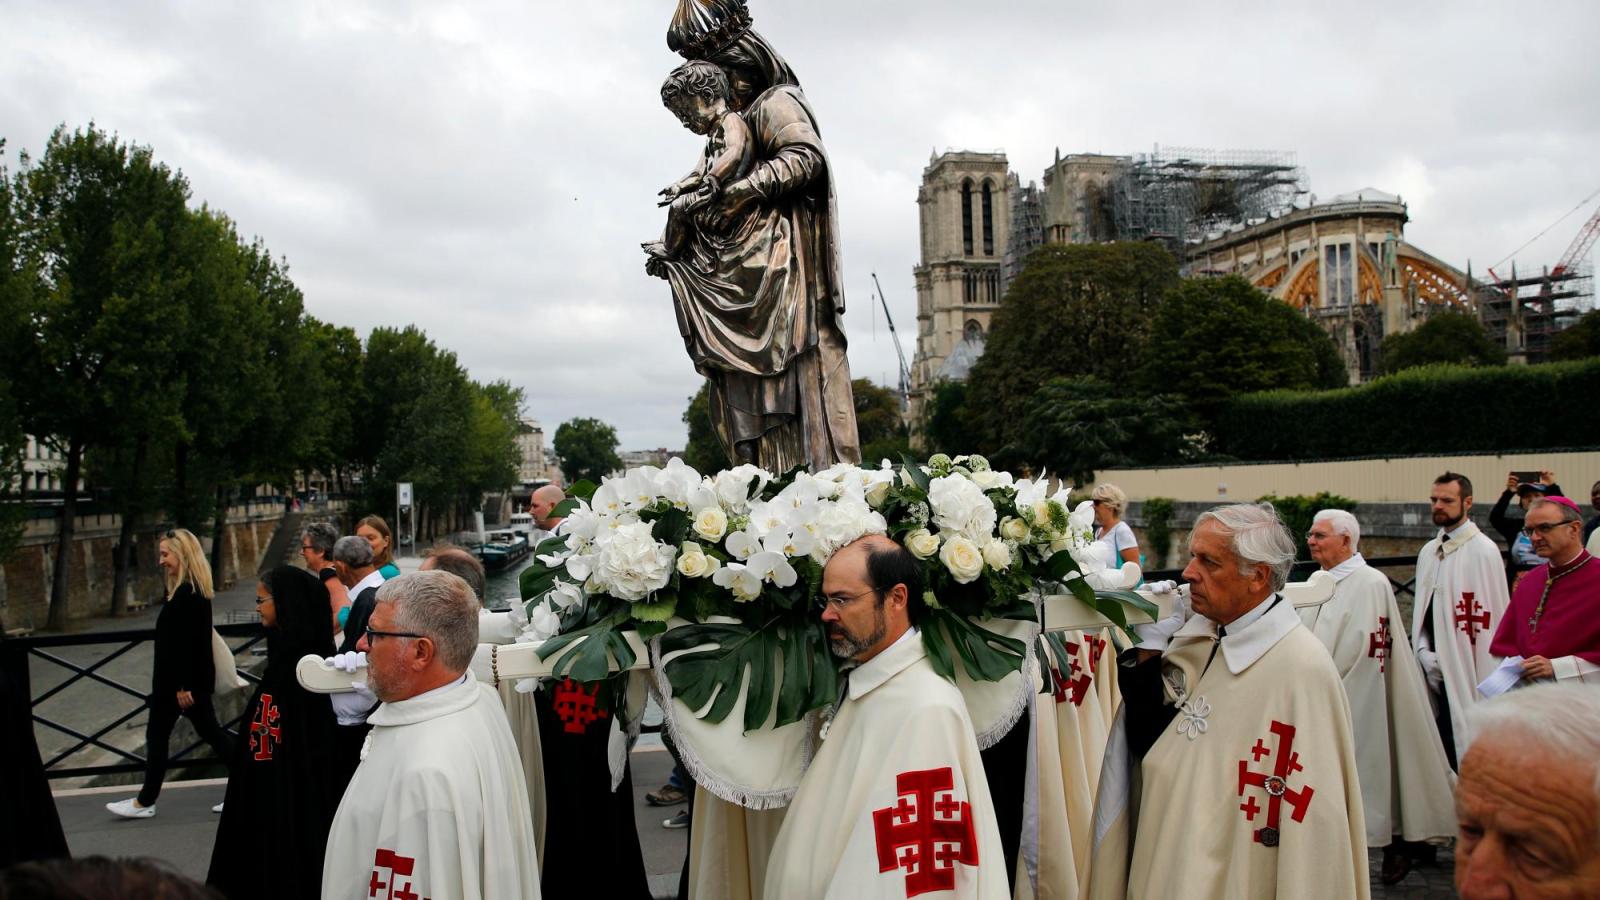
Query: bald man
(895, 803)
(543, 504)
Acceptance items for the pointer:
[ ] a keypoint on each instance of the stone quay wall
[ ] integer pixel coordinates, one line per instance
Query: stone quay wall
(26, 578)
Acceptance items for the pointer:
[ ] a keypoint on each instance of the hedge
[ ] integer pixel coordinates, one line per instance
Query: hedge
(1432, 409)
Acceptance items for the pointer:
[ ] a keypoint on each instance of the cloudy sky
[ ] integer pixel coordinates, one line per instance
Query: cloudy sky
(487, 170)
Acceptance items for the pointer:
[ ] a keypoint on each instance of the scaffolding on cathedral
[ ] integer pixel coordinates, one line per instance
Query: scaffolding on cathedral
(1182, 195)
(1027, 231)
(1546, 304)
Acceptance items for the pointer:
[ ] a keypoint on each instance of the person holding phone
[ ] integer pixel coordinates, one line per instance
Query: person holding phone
(1526, 487)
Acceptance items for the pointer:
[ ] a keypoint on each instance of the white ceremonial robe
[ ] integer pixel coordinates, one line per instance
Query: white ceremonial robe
(438, 807)
(1251, 790)
(1461, 590)
(896, 803)
(1407, 787)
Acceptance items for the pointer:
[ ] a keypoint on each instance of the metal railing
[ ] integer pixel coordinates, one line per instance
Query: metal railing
(15, 654)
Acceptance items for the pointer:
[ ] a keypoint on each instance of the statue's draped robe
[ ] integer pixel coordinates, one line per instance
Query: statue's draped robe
(758, 302)
(1407, 787)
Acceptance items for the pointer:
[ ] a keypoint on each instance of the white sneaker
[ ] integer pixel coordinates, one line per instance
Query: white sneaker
(130, 809)
(217, 808)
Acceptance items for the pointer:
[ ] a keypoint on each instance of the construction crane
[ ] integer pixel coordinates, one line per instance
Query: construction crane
(1580, 247)
(905, 371)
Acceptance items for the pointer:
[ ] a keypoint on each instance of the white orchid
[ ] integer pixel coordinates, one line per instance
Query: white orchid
(739, 580)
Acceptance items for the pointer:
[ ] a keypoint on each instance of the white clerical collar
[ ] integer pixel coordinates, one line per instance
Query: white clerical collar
(1251, 635)
(1348, 567)
(443, 700)
(893, 660)
(373, 579)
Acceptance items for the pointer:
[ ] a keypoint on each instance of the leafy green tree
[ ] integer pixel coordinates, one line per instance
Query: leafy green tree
(587, 448)
(945, 426)
(15, 281)
(1579, 341)
(493, 455)
(102, 225)
(332, 382)
(703, 452)
(879, 424)
(1079, 425)
(1214, 338)
(1446, 337)
(1077, 309)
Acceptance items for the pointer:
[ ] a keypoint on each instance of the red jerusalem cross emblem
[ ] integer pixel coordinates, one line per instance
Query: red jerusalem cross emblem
(1471, 617)
(1379, 642)
(1078, 680)
(264, 730)
(1285, 763)
(394, 867)
(926, 832)
(575, 704)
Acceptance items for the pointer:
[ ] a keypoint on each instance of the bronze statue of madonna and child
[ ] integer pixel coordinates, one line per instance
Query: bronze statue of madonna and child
(751, 248)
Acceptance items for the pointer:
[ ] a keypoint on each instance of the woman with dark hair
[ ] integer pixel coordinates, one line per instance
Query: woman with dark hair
(283, 785)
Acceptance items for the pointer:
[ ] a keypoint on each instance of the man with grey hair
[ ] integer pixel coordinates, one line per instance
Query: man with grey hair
(1238, 724)
(438, 807)
(361, 580)
(1528, 802)
(1406, 782)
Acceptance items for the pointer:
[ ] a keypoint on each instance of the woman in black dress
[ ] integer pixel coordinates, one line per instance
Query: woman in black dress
(184, 673)
(282, 786)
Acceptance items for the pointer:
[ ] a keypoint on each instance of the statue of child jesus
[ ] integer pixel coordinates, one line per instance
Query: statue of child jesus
(698, 94)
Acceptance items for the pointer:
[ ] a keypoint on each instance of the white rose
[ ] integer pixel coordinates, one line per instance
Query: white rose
(922, 544)
(694, 563)
(962, 558)
(1013, 529)
(877, 494)
(988, 478)
(711, 523)
(997, 555)
(1039, 513)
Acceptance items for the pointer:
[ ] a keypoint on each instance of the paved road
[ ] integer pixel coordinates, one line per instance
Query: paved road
(184, 827)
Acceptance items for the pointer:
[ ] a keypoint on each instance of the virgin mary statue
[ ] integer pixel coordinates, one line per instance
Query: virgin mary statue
(757, 289)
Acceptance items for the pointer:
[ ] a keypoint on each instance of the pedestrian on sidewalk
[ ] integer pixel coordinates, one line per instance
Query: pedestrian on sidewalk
(283, 783)
(184, 674)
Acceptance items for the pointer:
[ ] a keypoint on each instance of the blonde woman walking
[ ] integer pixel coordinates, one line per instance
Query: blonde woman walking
(184, 673)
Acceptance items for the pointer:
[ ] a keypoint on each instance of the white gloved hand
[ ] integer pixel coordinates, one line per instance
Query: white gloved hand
(349, 662)
(351, 707)
(1429, 661)
(1157, 635)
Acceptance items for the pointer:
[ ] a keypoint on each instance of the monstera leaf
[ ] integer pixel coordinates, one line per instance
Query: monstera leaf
(723, 654)
(586, 660)
(986, 655)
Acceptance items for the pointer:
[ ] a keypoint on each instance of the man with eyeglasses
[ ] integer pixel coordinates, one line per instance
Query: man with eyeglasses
(1552, 628)
(895, 803)
(438, 807)
(1407, 791)
(1461, 599)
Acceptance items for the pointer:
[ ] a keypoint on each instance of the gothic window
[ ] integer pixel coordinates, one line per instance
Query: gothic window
(973, 331)
(1338, 275)
(988, 219)
(970, 284)
(966, 217)
(992, 285)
